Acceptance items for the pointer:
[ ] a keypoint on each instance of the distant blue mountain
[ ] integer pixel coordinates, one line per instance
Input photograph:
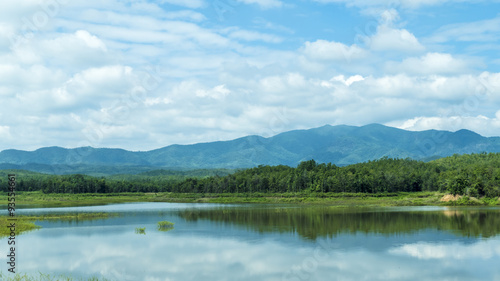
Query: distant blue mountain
(341, 145)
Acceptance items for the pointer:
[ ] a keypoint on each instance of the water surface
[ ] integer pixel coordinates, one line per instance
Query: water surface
(266, 242)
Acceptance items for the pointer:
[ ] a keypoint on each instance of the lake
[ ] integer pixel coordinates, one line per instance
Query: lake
(265, 242)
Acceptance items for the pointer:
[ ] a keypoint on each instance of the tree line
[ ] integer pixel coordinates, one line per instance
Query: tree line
(471, 174)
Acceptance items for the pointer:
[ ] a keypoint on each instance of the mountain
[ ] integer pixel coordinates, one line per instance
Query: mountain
(341, 145)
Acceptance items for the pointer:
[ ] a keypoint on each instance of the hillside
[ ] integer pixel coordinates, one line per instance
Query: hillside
(341, 145)
(475, 175)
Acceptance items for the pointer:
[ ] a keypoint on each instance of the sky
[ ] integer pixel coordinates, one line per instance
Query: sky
(141, 75)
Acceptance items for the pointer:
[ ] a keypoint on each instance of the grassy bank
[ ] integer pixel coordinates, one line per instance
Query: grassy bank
(27, 223)
(39, 199)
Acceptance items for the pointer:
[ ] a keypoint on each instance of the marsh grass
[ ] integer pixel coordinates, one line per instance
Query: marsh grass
(140, 230)
(23, 225)
(37, 198)
(27, 223)
(165, 226)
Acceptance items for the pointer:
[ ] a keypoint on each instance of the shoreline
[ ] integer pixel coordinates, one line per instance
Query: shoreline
(27, 223)
(38, 199)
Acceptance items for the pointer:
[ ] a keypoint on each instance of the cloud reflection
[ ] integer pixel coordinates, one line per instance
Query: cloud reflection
(163, 256)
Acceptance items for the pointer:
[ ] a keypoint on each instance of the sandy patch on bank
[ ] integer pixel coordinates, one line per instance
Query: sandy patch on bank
(449, 197)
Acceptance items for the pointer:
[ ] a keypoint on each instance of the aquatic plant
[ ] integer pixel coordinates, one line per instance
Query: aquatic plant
(140, 230)
(165, 225)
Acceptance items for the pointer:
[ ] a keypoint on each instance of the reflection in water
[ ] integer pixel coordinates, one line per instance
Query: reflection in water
(314, 222)
(254, 242)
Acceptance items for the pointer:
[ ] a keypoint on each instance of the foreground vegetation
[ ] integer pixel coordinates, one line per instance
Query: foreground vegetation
(474, 176)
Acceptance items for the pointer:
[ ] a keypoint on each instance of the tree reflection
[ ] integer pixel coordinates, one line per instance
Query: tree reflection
(314, 222)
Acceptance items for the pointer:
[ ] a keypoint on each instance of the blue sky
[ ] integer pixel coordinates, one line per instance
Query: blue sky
(141, 75)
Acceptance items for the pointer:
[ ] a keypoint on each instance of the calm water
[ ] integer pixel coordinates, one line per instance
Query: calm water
(266, 242)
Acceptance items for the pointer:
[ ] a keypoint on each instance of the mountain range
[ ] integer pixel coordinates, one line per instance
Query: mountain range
(341, 145)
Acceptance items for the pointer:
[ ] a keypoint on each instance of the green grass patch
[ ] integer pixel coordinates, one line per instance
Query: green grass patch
(38, 199)
(165, 225)
(27, 223)
(140, 230)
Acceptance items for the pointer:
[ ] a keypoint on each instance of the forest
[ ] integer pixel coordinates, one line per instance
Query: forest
(476, 175)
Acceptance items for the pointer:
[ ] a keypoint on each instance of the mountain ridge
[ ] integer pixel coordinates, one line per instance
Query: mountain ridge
(340, 145)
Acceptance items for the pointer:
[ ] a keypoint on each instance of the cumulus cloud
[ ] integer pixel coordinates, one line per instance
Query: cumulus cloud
(17, 78)
(348, 81)
(90, 40)
(123, 71)
(430, 63)
(391, 39)
(480, 124)
(217, 92)
(330, 50)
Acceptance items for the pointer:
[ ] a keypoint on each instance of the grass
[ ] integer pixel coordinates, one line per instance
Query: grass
(27, 223)
(37, 198)
(140, 230)
(22, 225)
(165, 225)
(44, 277)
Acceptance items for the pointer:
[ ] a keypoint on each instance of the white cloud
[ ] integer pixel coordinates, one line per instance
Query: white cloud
(130, 29)
(226, 79)
(12, 10)
(218, 92)
(478, 31)
(5, 131)
(72, 51)
(264, 4)
(91, 40)
(87, 89)
(390, 39)
(262, 23)
(348, 81)
(247, 35)
(186, 3)
(410, 4)
(480, 124)
(389, 16)
(19, 79)
(430, 63)
(329, 50)
(186, 14)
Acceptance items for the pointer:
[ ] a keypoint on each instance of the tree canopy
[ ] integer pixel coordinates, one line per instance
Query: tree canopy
(472, 174)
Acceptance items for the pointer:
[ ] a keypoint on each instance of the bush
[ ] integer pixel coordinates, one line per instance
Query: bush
(472, 192)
